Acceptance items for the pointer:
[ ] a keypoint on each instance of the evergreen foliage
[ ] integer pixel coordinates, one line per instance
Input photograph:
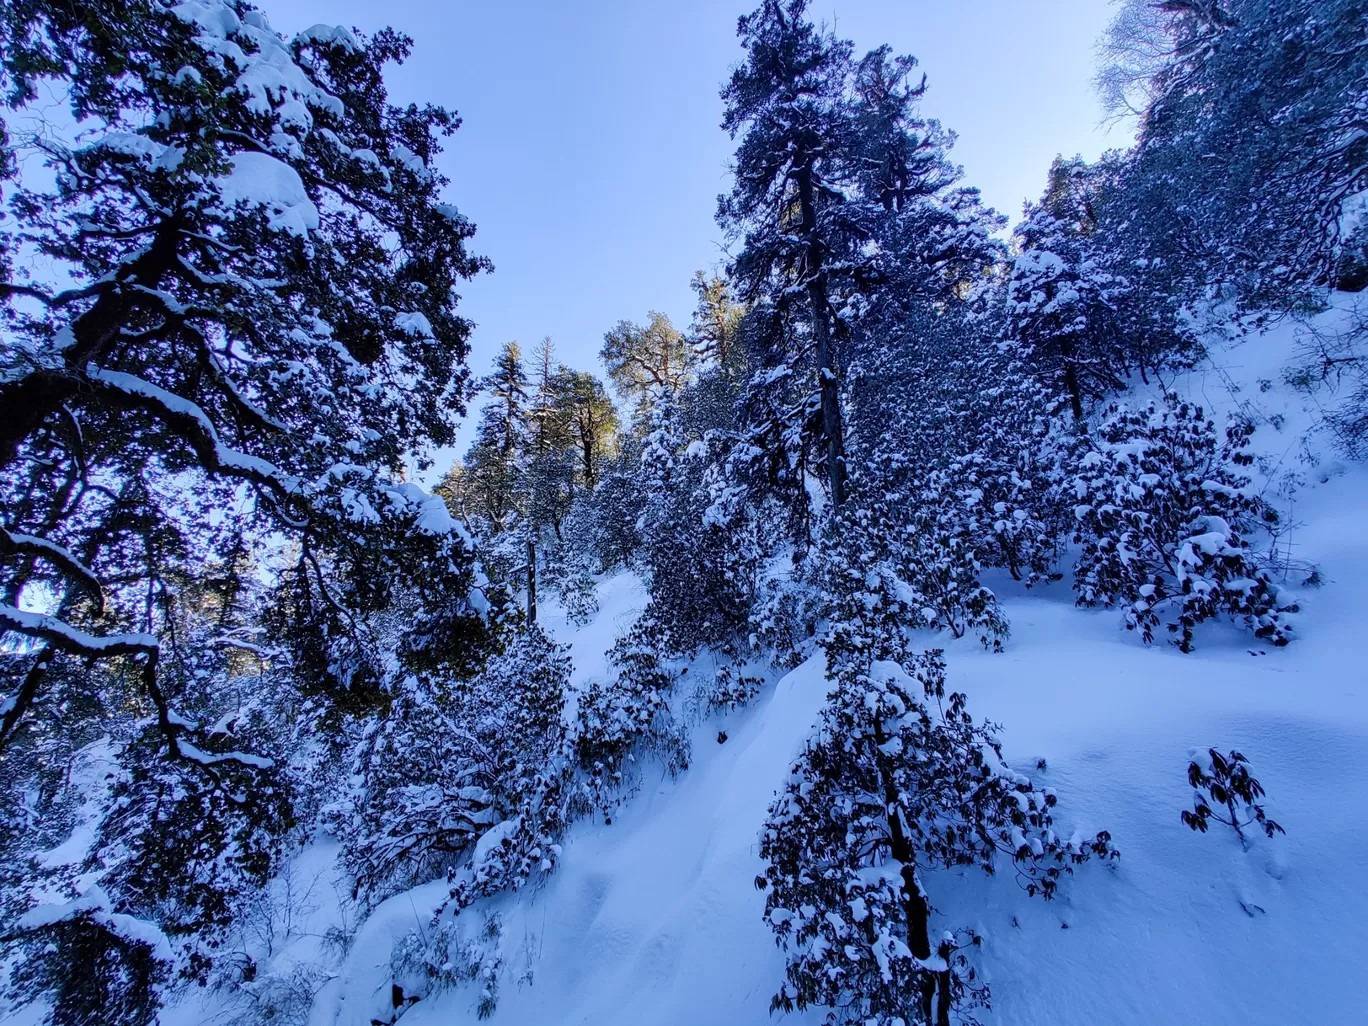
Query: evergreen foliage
(1224, 781)
(897, 781)
(1165, 517)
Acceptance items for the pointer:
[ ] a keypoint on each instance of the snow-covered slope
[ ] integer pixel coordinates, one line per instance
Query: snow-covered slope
(653, 920)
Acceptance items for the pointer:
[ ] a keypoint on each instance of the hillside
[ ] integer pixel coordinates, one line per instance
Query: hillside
(654, 919)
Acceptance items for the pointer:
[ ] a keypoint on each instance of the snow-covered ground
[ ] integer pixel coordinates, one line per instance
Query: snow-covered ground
(653, 920)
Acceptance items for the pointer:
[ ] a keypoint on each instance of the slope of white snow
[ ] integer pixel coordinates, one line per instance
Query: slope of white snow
(653, 920)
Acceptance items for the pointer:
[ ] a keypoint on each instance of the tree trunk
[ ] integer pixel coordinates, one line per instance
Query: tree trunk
(1069, 353)
(915, 906)
(531, 581)
(828, 382)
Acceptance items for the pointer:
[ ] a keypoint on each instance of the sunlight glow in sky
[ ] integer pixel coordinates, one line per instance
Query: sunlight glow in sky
(591, 158)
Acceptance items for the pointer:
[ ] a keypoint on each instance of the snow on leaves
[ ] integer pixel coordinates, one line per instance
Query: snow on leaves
(1165, 518)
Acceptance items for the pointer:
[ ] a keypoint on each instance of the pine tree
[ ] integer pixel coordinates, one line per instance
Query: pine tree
(495, 465)
(592, 418)
(256, 329)
(1088, 321)
(225, 323)
(1248, 145)
(787, 100)
(644, 360)
(715, 333)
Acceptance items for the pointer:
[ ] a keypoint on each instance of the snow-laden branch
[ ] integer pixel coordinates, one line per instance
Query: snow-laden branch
(94, 906)
(189, 751)
(61, 635)
(59, 556)
(192, 424)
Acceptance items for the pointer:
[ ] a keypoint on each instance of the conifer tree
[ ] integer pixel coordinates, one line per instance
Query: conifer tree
(786, 102)
(715, 333)
(261, 302)
(643, 360)
(1089, 320)
(255, 330)
(592, 418)
(495, 465)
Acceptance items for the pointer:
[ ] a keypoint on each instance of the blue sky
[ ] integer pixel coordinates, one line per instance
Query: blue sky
(591, 157)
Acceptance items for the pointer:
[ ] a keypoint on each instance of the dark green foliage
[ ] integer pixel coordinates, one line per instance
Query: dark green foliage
(257, 329)
(1165, 517)
(1224, 781)
(92, 974)
(1090, 317)
(1250, 138)
(897, 782)
(453, 761)
(628, 718)
(184, 850)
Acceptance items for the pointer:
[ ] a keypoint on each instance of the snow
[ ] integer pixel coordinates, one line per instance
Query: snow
(228, 458)
(328, 35)
(415, 324)
(94, 904)
(653, 920)
(261, 180)
(208, 759)
(51, 628)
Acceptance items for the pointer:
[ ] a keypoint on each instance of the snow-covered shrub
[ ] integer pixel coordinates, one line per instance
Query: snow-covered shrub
(897, 781)
(280, 997)
(913, 559)
(576, 588)
(452, 954)
(732, 688)
(784, 618)
(604, 521)
(448, 766)
(1224, 781)
(94, 965)
(1165, 515)
(627, 717)
(423, 799)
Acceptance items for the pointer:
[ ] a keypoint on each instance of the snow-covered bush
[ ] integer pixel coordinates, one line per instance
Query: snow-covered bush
(897, 781)
(1165, 517)
(452, 954)
(913, 558)
(573, 580)
(1224, 781)
(731, 687)
(449, 765)
(627, 717)
(95, 965)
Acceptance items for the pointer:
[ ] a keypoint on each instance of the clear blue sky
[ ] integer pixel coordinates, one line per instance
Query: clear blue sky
(591, 157)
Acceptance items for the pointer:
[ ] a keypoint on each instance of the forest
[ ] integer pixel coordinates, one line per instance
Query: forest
(288, 737)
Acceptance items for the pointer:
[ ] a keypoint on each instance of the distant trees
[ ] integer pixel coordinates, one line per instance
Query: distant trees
(1250, 137)
(645, 360)
(1089, 317)
(497, 461)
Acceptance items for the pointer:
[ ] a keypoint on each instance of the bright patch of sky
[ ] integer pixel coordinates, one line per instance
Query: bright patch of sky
(591, 158)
